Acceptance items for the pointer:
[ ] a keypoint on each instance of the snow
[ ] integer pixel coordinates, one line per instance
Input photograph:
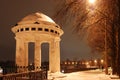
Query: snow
(81, 75)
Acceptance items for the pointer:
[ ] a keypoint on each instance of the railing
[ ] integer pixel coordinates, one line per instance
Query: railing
(32, 75)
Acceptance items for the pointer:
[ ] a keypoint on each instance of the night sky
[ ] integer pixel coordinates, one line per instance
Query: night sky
(12, 11)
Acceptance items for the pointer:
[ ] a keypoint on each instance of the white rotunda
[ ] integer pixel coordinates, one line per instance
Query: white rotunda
(37, 28)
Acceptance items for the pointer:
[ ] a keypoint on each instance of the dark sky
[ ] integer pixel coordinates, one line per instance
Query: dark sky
(12, 11)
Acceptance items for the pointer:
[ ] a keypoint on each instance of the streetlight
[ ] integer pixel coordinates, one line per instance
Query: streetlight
(91, 1)
(95, 62)
(91, 4)
(1, 71)
(101, 61)
(87, 64)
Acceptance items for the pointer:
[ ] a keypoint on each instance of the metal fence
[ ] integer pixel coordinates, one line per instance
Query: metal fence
(31, 75)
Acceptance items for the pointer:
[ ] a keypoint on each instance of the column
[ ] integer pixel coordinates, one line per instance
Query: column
(17, 55)
(57, 44)
(37, 56)
(20, 51)
(54, 65)
(26, 56)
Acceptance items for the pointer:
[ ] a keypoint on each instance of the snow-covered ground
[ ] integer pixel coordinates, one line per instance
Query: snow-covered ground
(81, 75)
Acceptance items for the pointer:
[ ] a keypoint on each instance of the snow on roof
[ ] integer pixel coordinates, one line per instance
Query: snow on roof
(44, 17)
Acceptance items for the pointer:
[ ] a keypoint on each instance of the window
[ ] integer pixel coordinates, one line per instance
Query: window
(52, 31)
(57, 26)
(16, 24)
(18, 30)
(26, 29)
(73, 63)
(46, 30)
(76, 62)
(68, 62)
(21, 29)
(39, 29)
(33, 29)
(36, 23)
(56, 32)
(65, 62)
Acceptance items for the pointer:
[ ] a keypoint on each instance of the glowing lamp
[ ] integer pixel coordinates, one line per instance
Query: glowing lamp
(1, 70)
(92, 1)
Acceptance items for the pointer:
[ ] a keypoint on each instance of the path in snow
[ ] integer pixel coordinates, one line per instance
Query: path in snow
(82, 75)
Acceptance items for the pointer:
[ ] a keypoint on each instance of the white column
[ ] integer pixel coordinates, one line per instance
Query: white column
(26, 55)
(54, 55)
(37, 56)
(58, 55)
(17, 56)
(20, 51)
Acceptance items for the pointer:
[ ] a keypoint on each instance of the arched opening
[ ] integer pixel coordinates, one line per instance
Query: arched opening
(31, 50)
(45, 54)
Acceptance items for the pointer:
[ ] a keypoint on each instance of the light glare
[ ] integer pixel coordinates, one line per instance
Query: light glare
(1, 70)
(92, 1)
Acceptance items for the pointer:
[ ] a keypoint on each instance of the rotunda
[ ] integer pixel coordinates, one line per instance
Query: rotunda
(37, 28)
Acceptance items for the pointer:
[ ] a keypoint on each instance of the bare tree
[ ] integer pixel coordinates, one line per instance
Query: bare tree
(78, 13)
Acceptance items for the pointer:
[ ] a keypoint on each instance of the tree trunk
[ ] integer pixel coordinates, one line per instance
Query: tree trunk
(114, 51)
(118, 54)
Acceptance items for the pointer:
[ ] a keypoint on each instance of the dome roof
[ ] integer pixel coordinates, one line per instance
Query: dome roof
(37, 23)
(36, 17)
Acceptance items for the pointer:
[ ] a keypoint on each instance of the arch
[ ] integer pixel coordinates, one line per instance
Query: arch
(31, 50)
(45, 52)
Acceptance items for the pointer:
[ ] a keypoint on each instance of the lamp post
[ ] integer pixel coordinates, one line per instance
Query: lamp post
(92, 2)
